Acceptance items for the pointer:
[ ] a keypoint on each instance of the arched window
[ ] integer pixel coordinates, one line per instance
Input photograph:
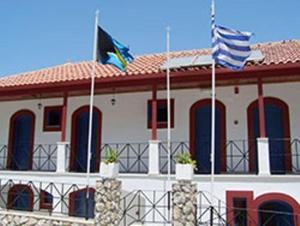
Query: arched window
(46, 200)
(20, 197)
(200, 135)
(277, 209)
(277, 126)
(79, 140)
(270, 209)
(80, 206)
(21, 140)
(276, 213)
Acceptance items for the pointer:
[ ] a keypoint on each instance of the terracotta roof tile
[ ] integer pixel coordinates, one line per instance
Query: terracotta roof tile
(275, 53)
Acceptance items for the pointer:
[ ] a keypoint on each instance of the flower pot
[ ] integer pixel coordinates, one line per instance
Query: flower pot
(184, 171)
(110, 170)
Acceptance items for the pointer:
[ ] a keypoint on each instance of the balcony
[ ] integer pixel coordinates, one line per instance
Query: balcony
(241, 157)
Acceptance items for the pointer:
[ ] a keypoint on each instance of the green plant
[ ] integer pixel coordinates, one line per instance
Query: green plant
(185, 158)
(111, 156)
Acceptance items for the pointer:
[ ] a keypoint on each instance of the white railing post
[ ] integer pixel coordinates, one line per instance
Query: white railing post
(263, 156)
(153, 157)
(61, 157)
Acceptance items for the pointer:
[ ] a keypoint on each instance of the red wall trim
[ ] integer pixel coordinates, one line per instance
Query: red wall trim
(12, 137)
(254, 204)
(222, 108)
(12, 193)
(230, 196)
(64, 118)
(47, 128)
(72, 199)
(154, 113)
(278, 197)
(252, 141)
(261, 107)
(74, 135)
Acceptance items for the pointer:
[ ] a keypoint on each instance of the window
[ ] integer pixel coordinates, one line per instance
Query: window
(80, 206)
(162, 114)
(240, 211)
(20, 197)
(46, 200)
(238, 203)
(52, 118)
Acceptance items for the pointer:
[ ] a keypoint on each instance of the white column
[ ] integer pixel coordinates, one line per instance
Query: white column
(153, 157)
(263, 156)
(61, 157)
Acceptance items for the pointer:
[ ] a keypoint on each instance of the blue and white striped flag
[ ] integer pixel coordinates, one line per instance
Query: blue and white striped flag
(231, 48)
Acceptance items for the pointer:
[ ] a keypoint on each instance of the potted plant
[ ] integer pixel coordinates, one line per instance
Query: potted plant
(109, 168)
(185, 166)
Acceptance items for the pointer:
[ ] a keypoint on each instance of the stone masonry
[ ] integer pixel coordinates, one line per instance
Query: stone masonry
(184, 199)
(17, 218)
(108, 202)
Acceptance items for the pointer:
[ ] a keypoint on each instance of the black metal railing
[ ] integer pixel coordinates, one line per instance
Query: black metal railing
(295, 152)
(146, 207)
(3, 156)
(205, 208)
(133, 157)
(40, 157)
(284, 156)
(48, 197)
(237, 156)
(143, 206)
(44, 157)
(175, 148)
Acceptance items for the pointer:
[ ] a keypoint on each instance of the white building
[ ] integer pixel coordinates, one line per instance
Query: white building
(44, 121)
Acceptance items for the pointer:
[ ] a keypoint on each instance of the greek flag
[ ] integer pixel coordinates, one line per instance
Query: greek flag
(231, 48)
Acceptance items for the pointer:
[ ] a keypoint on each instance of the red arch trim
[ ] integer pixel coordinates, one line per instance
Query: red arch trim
(11, 136)
(254, 204)
(250, 121)
(222, 108)
(72, 198)
(275, 196)
(278, 197)
(19, 187)
(74, 135)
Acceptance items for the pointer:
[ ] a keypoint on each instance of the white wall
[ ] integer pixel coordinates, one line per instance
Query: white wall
(126, 121)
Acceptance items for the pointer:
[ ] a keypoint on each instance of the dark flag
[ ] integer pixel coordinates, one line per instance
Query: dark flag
(110, 51)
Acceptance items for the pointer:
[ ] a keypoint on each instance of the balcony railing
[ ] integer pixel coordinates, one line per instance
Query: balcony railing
(47, 197)
(175, 148)
(43, 158)
(3, 156)
(133, 157)
(237, 155)
(284, 156)
(144, 206)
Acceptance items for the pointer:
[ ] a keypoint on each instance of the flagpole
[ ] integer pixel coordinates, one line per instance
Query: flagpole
(168, 105)
(213, 128)
(94, 63)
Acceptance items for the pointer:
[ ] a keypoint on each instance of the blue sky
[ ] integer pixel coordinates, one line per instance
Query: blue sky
(37, 34)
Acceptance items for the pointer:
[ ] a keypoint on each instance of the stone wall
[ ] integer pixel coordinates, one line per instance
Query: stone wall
(184, 200)
(108, 202)
(16, 218)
